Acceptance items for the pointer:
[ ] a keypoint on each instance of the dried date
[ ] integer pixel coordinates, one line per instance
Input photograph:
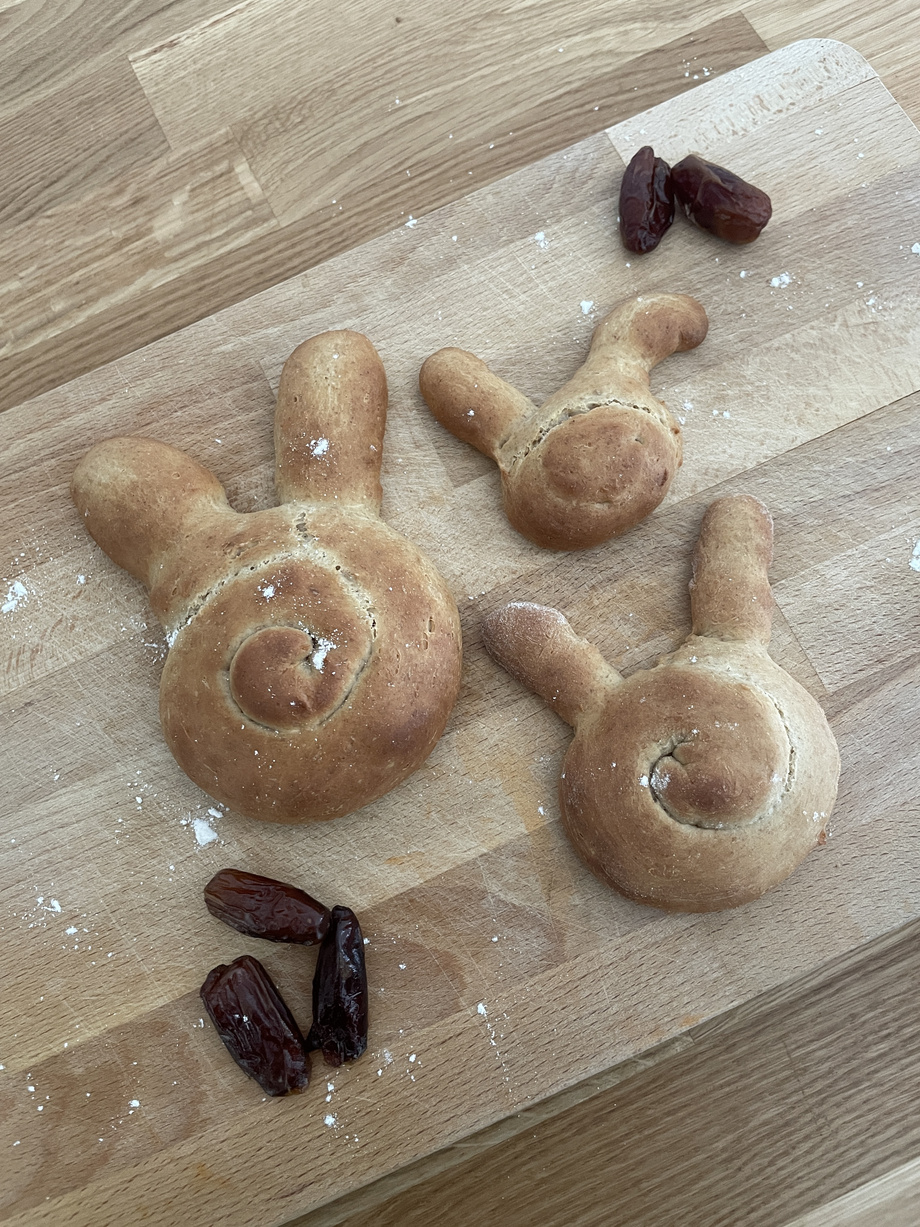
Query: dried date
(646, 201)
(340, 991)
(263, 907)
(256, 1026)
(720, 201)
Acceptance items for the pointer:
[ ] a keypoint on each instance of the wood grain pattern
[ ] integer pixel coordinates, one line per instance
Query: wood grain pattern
(503, 974)
(892, 1200)
(63, 146)
(781, 1076)
(179, 206)
(304, 173)
(309, 95)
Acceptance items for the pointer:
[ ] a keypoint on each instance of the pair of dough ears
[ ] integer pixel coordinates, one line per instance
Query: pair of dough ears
(483, 410)
(139, 497)
(730, 599)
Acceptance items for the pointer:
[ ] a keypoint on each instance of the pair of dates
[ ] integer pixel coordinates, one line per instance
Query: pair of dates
(249, 1013)
(714, 198)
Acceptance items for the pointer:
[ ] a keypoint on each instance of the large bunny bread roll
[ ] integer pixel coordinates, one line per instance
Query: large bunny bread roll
(314, 652)
(600, 454)
(702, 783)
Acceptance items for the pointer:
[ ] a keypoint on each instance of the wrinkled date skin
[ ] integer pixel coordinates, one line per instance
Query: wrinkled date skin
(257, 1028)
(262, 907)
(719, 201)
(340, 991)
(646, 201)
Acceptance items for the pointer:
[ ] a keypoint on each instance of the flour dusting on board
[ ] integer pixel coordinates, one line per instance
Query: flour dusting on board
(203, 828)
(915, 557)
(204, 832)
(18, 594)
(484, 1014)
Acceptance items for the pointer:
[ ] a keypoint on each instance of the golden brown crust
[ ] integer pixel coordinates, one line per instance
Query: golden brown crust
(329, 421)
(471, 401)
(702, 783)
(314, 653)
(730, 595)
(599, 454)
(538, 647)
(136, 496)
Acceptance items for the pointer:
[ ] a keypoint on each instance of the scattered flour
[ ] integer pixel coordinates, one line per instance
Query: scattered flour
(320, 652)
(781, 281)
(541, 240)
(915, 557)
(319, 447)
(17, 595)
(204, 832)
(586, 305)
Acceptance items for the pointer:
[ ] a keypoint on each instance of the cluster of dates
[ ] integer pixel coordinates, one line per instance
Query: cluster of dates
(714, 198)
(251, 1016)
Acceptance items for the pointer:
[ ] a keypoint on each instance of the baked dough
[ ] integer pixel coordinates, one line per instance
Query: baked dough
(314, 653)
(703, 782)
(600, 454)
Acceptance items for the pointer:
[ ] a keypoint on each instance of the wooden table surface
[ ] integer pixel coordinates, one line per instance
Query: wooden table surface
(162, 163)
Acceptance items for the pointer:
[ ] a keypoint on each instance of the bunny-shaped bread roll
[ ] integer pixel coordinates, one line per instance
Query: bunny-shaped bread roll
(599, 455)
(314, 653)
(703, 782)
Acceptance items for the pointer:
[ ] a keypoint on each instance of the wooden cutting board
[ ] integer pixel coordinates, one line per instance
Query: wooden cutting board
(501, 972)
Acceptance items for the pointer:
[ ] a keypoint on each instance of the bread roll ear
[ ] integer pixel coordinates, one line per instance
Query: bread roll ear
(138, 496)
(537, 646)
(730, 595)
(329, 422)
(470, 401)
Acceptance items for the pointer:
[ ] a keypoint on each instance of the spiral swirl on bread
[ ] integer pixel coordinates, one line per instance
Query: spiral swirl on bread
(600, 454)
(702, 783)
(314, 652)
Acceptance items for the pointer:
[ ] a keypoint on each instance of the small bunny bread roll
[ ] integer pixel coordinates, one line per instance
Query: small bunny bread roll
(314, 653)
(703, 782)
(599, 455)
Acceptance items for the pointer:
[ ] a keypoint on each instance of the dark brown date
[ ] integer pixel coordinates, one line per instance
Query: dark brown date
(257, 1028)
(646, 201)
(262, 907)
(340, 991)
(719, 201)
